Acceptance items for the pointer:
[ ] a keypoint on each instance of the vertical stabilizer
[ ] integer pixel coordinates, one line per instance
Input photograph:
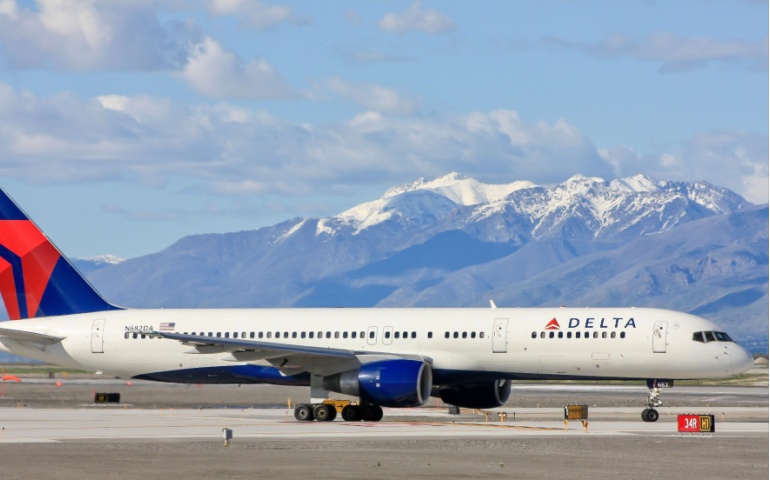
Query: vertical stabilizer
(36, 280)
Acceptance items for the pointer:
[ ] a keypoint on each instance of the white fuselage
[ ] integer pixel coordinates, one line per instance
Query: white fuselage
(630, 343)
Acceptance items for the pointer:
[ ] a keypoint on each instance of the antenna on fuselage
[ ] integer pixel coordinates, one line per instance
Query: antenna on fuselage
(492, 303)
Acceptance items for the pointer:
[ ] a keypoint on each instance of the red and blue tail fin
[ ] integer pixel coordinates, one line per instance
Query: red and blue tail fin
(36, 280)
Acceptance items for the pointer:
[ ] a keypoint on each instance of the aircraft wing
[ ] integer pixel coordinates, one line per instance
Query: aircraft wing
(290, 359)
(29, 337)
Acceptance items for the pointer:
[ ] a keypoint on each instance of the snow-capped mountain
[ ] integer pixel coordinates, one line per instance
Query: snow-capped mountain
(455, 241)
(585, 206)
(91, 264)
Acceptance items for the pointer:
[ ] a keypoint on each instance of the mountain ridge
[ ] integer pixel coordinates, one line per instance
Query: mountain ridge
(455, 241)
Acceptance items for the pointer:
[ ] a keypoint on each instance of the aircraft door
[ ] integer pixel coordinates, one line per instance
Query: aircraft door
(387, 335)
(97, 336)
(500, 336)
(659, 337)
(371, 335)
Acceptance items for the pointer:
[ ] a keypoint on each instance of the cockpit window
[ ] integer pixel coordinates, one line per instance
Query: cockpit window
(723, 337)
(698, 337)
(706, 337)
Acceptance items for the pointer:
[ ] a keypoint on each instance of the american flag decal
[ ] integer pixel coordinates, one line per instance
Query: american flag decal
(167, 326)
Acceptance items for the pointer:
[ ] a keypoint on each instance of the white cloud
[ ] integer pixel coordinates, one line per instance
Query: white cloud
(233, 150)
(676, 53)
(252, 13)
(91, 35)
(414, 19)
(374, 97)
(217, 73)
(732, 159)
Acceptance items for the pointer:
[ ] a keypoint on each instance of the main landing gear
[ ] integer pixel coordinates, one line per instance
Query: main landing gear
(324, 412)
(649, 414)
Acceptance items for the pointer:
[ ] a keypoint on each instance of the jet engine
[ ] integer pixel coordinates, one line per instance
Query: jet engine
(483, 394)
(388, 383)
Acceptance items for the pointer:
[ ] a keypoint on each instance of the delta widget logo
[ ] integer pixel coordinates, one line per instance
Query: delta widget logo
(553, 325)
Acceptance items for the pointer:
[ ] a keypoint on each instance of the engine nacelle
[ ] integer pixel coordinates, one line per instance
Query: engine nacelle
(388, 383)
(483, 394)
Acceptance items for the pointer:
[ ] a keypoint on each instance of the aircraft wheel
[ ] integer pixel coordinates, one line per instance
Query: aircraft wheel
(303, 413)
(325, 412)
(371, 413)
(351, 413)
(651, 415)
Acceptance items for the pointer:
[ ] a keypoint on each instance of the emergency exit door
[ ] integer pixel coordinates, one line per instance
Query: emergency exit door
(500, 336)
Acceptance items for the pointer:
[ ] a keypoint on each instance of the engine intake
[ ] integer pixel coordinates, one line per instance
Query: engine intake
(388, 383)
(484, 394)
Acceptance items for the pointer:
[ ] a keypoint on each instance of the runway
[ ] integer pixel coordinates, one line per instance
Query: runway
(84, 441)
(113, 423)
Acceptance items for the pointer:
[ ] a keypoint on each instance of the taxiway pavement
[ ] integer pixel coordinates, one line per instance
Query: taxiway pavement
(161, 431)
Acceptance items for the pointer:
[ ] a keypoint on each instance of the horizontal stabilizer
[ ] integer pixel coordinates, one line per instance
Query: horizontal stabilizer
(30, 337)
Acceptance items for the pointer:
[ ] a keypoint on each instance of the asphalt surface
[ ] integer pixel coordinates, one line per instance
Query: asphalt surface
(56, 431)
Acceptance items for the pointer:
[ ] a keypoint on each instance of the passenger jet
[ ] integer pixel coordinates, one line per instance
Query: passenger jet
(386, 357)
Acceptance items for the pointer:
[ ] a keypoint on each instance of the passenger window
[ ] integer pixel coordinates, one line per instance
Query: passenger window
(604, 334)
(622, 334)
(551, 334)
(481, 334)
(344, 334)
(465, 334)
(534, 334)
(396, 335)
(328, 334)
(596, 334)
(387, 334)
(456, 335)
(251, 334)
(569, 334)
(352, 334)
(473, 334)
(430, 334)
(542, 334)
(336, 334)
(302, 335)
(269, 334)
(371, 334)
(561, 334)
(612, 335)
(446, 334)
(311, 334)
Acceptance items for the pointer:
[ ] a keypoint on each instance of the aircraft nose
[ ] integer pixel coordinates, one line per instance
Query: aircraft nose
(742, 360)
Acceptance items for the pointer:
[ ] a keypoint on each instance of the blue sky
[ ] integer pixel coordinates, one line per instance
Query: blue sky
(125, 125)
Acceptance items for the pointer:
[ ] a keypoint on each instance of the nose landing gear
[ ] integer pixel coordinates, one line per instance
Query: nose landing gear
(649, 414)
